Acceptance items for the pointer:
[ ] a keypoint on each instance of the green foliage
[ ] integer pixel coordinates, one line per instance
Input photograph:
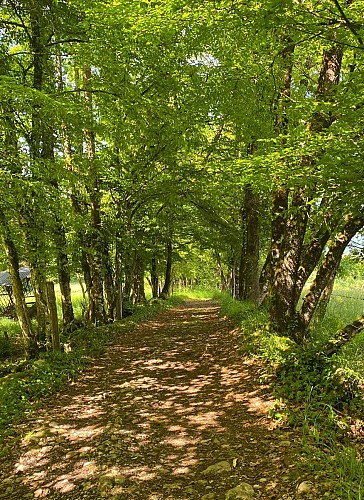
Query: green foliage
(319, 396)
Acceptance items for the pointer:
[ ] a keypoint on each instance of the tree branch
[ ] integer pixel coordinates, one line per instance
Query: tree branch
(348, 22)
(344, 336)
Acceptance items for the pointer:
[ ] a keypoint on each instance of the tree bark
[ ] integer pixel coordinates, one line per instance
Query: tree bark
(53, 316)
(138, 280)
(344, 336)
(325, 272)
(168, 276)
(20, 305)
(97, 309)
(108, 284)
(251, 208)
(118, 278)
(154, 279)
(291, 263)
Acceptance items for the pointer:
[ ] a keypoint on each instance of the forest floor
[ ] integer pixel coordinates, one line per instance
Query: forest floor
(152, 414)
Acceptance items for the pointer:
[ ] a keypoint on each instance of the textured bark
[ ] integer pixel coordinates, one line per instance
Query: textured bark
(292, 262)
(138, 280)
(168, 276)
(97, 309)
(344, 336)
(280, 309)
(20, 305)
(53, 316)
(154, 279)
(325, 273)
(251, 208)
(325, 300)
(118, 279)
(108, 284)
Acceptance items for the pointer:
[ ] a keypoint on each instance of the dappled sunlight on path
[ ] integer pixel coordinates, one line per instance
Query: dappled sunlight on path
(152, 413)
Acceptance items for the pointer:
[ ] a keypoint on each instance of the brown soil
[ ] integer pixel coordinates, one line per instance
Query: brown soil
(144, 421)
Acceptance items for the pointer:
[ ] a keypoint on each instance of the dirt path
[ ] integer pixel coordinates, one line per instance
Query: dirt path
(151, 415)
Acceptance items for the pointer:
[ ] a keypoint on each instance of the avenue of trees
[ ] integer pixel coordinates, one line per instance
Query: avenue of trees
(135, 132)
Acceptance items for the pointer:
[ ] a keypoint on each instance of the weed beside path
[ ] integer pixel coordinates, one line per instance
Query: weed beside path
(147, 419)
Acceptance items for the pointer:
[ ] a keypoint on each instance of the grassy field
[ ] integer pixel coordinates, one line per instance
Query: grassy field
(346, 305)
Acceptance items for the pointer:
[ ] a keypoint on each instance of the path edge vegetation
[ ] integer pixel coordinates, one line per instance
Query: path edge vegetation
(23, 389)
(322, 402)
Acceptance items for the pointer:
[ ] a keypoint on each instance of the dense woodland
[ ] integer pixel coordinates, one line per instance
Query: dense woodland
(135, 135)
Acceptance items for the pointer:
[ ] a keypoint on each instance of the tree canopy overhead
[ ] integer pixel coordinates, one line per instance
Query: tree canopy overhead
(131, 129)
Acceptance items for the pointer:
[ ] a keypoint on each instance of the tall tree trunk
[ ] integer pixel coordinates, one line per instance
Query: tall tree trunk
(280, 314)
(118, 278)
(325, 299)
(168, 276)
(20, 305)
(290, 274)
(154, 279)
(138, 280)
(251, 208)
(325, 273)
(97, 309)
(63, 269)
(108, 284)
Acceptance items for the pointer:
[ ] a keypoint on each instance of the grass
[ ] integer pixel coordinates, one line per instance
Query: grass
(319, 397)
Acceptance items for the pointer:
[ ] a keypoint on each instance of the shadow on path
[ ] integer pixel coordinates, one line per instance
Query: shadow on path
(150, 415)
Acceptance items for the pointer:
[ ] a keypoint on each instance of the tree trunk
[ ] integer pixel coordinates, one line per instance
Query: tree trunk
(344, 336)
(251, 208)
(118, 279)
(97, 309)
(168, 276)
(20, 305)
(138, 280)
(325, 300)
(53, 317)
(154, 279)
(108, 284)
(325, 273)
(291, 271)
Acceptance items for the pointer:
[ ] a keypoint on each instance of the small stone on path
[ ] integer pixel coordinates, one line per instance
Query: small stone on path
(219, 468)
(242, 492)
(304, 488)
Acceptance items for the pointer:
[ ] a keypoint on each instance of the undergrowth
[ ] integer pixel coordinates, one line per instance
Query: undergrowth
(322, 397)
(24, 382)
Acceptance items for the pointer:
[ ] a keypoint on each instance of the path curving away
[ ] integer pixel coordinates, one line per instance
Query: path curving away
(150, 415)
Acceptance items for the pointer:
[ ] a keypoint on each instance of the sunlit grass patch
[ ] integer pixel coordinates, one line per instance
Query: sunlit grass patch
(194, 293)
